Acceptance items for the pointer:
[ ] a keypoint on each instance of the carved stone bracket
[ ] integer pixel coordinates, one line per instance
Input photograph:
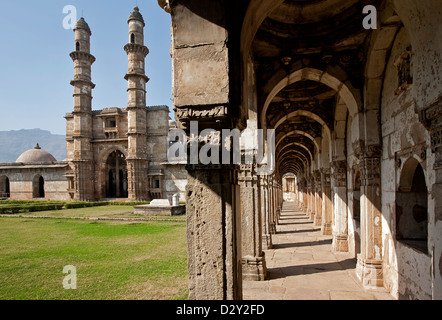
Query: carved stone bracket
(339, 173)
(247, 174)
(214, 116)
(431, 118)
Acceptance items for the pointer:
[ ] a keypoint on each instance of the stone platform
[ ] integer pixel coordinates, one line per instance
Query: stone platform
(160, 207)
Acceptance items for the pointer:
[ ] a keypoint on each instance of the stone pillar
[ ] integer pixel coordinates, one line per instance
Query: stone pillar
(304, 195)
(311, 198)
(272, 206)
(318, 199)
(326, 203)
(277, 201)
(205, 91)
(213, 233)
(253, 258)
(431, 118)
(340, 223)
(369, 266)
(265, 212)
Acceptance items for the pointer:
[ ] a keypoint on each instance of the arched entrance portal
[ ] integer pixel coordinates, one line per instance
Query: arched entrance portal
(116, 175)
(412, 207)
(38, 187)
(4, 187)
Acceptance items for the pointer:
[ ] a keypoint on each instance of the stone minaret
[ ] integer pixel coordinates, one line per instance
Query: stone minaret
(137, 160)
(82, 160)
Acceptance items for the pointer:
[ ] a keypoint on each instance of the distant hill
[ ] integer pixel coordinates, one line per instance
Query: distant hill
(14, 143)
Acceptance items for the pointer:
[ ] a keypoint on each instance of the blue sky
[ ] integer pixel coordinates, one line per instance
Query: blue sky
(35, 67)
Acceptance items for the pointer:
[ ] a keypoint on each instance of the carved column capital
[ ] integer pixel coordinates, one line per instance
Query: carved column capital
(366, 151)
(339, 173)
(247, 175)
(431, 118)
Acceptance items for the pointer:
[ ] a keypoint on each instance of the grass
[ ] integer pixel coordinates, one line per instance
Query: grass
(145, 260)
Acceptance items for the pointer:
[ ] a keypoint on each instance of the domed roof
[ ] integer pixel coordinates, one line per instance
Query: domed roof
(136, 15)
(36, 155)
(81, 24)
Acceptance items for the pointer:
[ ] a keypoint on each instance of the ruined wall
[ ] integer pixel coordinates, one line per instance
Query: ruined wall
(21, 181)
(423, 20)
(407, 271)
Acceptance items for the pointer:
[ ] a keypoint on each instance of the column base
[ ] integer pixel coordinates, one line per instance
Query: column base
(267, 243)
(327, 229)
(340, 243)
(318, 221)
(254, 268)
(272, 228)
(370, 273)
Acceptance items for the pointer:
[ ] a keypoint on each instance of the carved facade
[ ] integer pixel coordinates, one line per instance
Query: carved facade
(113, 153)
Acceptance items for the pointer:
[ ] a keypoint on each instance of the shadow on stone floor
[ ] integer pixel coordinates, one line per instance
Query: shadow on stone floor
(283, 272)
(299, 231)
(302, 244)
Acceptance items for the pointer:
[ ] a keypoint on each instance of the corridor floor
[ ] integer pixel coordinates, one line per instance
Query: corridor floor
(302, 266)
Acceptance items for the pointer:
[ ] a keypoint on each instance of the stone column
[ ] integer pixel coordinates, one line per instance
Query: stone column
(340, 225)
(369, 267)
(318, 199)
(277, 201)
(253, 258)
(311, 198)
(326, 203)
(265, 212)
(272, 206)
(304, 195)
(213, 233)
(205, 90)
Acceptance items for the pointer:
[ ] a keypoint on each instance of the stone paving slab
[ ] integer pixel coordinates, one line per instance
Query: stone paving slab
(302, 266)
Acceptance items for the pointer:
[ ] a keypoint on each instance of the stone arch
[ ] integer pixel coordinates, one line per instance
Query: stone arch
(379, 54)
(38, 186)
(344, 90)
(412, 206)
(257, 11)
(116, 175)
(314, 117)
(298, 154)
(100, 168)
(301, 133)
(5, 187)
(299, 145)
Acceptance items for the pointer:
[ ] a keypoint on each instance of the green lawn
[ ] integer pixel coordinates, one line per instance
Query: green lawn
(114, 260)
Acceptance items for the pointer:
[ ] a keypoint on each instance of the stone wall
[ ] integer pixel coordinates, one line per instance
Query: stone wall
(406, 270)
(21, 178)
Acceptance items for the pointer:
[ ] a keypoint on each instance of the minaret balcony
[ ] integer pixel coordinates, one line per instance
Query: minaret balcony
(84, 56)
(136, 48)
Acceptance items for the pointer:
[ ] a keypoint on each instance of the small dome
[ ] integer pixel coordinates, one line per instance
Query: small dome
(81, 24)
(136, 15)
(36, 155)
